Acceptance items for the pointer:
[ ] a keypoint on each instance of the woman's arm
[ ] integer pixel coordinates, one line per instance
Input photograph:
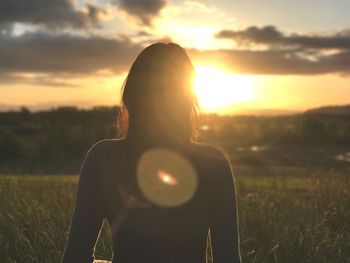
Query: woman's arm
(224, 224)
(88, 215)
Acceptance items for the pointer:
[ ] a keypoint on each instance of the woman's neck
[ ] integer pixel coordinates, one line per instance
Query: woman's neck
(138, 143)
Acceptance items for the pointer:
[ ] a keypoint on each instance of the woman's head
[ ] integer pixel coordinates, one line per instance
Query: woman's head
(158, 99)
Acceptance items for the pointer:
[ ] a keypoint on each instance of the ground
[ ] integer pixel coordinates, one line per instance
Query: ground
(286, 214)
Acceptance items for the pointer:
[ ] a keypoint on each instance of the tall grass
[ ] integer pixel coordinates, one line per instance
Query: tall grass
(282, 218)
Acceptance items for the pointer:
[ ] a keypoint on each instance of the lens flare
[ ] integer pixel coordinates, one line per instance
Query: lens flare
(166, 178)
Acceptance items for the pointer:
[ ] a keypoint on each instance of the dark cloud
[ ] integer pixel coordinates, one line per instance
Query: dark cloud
(64, 53)
(6, 29)
(287, 54)
(253, 34)
(38, 80)
(143, 10)
(51, 13)
(277, 61)
(269, 35)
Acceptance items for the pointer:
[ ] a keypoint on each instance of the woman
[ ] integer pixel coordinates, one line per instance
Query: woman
(159, 190)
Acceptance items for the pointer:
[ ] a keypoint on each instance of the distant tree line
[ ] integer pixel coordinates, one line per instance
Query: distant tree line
(68, 132)
(309, 130)
(61, 133)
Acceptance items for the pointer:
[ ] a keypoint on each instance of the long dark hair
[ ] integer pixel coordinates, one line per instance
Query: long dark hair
(158, 101)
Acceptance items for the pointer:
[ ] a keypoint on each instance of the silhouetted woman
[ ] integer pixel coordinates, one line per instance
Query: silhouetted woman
(159, 190)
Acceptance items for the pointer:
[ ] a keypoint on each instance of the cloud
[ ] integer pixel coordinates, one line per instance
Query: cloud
(142, 10)
(287, 54)
(70, 55)
(279, 62)
(53, 13)
(47, 80)
(270, 35)
(64, 53)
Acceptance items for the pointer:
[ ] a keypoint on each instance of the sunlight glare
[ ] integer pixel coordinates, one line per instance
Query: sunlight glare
(217, 90)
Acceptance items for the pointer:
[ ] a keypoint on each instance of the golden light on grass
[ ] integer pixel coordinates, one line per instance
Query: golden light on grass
(217, 90)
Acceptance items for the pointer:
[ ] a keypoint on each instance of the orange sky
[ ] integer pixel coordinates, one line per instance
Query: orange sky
(245, 60)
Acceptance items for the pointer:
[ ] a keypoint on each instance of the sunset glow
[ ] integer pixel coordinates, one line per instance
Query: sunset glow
(251, 57)
(217, 89)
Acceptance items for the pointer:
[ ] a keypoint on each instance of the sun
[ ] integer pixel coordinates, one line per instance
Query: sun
(217, 90)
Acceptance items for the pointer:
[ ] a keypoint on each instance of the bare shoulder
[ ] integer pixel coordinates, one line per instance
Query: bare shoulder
(105, 146)
(214, 161)
(210, 151)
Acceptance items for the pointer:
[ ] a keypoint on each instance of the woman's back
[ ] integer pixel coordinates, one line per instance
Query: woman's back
(158, 110)
(143, 231)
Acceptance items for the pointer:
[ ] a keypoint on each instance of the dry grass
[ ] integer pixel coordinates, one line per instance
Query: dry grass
(282, 218)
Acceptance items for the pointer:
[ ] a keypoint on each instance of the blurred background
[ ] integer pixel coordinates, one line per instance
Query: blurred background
(270, 75)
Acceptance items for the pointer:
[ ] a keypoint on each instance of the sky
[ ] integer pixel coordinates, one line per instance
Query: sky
(267, 55)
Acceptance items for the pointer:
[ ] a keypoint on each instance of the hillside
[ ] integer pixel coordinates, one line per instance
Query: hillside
(331, 110)
(56, 140)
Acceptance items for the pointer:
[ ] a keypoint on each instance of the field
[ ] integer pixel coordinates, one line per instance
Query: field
(296, 215)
